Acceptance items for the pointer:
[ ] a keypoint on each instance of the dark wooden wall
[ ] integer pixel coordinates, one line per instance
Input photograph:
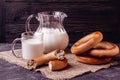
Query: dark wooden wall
(84, 16)
(2, 9)
(0, 21)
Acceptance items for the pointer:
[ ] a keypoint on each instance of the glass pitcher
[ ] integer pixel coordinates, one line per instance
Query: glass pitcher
(51, 25)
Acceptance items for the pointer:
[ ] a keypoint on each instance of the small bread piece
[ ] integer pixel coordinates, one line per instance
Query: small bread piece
(86, 43)
(57, 64)
(104, 50)
(38, 61)
(91, 60)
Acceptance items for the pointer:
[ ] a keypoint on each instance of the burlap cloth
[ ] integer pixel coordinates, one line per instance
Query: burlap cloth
(75, 68)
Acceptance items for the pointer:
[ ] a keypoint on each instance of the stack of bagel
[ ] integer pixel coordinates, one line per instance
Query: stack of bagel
(92, 50)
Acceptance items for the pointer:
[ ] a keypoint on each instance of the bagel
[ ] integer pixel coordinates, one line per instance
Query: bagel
(104, 50)
(86, 43)
(57, 64)
(92, 60)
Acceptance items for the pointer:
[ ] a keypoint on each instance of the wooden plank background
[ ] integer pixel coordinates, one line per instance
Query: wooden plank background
(2, 22)
(84, 16)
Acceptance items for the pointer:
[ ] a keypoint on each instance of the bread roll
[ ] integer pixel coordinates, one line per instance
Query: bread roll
(57, 64)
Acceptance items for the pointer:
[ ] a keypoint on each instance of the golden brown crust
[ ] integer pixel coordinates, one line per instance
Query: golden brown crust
(104, 50)
(58, 64)
(86, 43)
(38, 61)
(91, 60)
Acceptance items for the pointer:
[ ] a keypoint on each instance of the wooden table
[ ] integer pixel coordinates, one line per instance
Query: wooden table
(13, 72)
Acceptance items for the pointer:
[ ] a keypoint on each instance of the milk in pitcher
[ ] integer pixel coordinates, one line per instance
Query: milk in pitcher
(54, 39)
(51, 25)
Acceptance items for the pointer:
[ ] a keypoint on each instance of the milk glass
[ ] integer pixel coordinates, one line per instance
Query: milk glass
(32, 46)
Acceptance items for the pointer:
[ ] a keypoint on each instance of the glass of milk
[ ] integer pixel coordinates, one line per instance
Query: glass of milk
(32, 46)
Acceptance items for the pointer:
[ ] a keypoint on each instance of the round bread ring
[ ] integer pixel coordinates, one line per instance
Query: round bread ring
(86, 43)
(91, 60)
(104, 50)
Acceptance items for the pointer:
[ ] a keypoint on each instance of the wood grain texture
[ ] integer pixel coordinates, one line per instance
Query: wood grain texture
(2, 30)
(0, 21)
(51, 1)
(84, 16)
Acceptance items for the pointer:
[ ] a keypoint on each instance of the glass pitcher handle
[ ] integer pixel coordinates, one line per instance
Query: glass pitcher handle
(13, 48)
(27, 24)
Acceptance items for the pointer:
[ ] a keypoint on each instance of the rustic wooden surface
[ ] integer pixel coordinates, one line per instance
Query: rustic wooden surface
(84, 16)
(10, 71)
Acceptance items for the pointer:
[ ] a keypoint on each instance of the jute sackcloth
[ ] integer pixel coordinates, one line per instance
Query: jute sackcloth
(74, 68)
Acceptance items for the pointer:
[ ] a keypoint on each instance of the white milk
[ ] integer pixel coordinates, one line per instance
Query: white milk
(31, 48)
(54, 39)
